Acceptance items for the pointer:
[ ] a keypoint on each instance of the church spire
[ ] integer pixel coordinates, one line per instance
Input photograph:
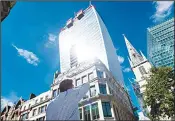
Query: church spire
(143, 55)
(135, 57)
(130, 62)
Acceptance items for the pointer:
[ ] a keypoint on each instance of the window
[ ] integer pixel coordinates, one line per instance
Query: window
(85, 79)
(42, 109)
(142, 70)
(87, 115)
(46, 97)
(54, 93)
(78, 82)
(36, 101)
(41, 99)
(92, 91)
(24, 107)
(106, 109)
(41, 119)
(95, 112)
(80, 111)
(25, 116)
(29, 105)
(34, 112)
(102, 88)
(91, 76)
(100, 74)
(45, 107)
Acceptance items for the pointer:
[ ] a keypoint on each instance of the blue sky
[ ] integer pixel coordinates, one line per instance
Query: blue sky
(30, 52)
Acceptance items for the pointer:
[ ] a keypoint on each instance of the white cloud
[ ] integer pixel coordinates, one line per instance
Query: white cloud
(121, 59)
(29, 56)
(163, 9)
(51, 40)
(52, 37)
(9, 100)
(126, 69)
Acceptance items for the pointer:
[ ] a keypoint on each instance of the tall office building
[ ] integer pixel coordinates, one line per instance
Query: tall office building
(85, 37)
(160, 44)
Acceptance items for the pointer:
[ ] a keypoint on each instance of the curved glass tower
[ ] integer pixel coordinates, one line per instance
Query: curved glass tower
(85, 37)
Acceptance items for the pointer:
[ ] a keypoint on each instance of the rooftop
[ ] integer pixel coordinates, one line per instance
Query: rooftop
(160, 24)
(77, 16)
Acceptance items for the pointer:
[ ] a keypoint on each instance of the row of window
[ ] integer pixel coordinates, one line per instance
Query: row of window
(78, 16)
(102, 88)
(164, 60)
(41, 99)
(25, 116)
(79, 81)
(160, 55)
(93, 93)
(165, 26)
(94, 114)
(142, 70)
(26, 106)
(160, 32)
(41, 118)
(84, 79)
(165, 39)
(41, 109)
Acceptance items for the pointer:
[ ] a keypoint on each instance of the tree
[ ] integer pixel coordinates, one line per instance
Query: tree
(159, 93)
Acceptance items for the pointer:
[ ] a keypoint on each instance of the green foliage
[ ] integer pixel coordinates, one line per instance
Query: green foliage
(159, 94)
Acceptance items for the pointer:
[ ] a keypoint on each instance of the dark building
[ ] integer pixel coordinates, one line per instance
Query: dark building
(5, 7)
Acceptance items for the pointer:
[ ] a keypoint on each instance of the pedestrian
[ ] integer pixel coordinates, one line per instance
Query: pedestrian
(65, 105)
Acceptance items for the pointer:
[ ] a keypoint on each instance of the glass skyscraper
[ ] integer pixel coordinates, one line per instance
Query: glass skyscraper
(160, 44)
(85, 37)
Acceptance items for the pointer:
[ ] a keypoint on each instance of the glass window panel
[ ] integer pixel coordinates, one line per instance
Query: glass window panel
(80, 111)
(54, 93)
(91, 76)
(106, 109)
(100, 74)
(95, 111)
(78, 82)
(85, 79)
(102, 88)
(92, 91)
(87, 115)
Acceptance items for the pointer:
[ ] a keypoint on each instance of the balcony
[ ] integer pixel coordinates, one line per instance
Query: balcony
(80, 14)
(69, 23)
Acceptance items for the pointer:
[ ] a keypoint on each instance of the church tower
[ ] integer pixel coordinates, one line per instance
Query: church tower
(141, 68)
(139, 64)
